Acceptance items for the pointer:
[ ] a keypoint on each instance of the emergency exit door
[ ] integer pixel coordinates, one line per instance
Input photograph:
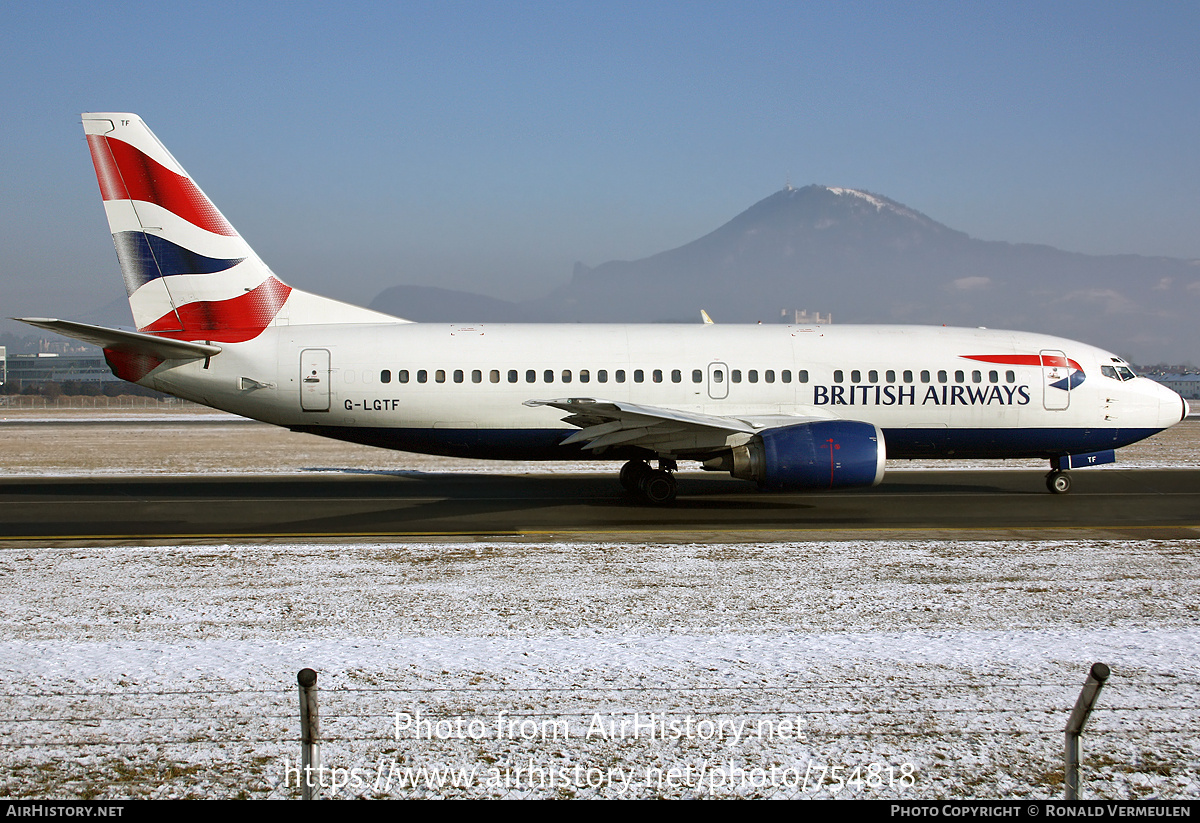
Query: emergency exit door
(314, 380)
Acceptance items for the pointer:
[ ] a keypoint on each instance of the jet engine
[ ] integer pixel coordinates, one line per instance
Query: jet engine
(825, 454)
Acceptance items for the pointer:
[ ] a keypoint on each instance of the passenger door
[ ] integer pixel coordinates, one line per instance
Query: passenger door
(314, 380)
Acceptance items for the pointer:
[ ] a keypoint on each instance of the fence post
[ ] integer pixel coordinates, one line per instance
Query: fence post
(1079, 717)
(310, 733)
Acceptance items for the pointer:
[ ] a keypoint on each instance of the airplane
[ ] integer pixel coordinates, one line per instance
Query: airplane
(789, 407)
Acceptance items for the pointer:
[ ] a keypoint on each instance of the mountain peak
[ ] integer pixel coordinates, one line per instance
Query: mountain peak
(834, 199)
(820, 211)
(880, 203)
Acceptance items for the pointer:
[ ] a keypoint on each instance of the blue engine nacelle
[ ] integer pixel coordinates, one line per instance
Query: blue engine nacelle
(826, 454)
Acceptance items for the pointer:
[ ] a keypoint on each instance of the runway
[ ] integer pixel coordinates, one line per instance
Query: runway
(990, 504)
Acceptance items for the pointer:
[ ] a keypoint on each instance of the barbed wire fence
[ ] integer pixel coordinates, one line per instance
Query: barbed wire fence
(787, 738)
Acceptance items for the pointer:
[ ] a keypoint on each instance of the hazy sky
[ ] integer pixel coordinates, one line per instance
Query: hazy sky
(488, 146)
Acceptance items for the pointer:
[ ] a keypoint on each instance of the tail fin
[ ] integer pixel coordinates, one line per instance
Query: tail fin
(188, 273)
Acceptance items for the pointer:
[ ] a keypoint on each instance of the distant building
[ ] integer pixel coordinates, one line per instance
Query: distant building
(51, 367)
(802, 317)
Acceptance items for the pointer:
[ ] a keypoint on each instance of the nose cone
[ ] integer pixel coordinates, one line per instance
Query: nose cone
(1172, 408)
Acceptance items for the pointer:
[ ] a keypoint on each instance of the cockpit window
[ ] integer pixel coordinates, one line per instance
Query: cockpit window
(1125, 373)
(1121, 373)
(1109, 371)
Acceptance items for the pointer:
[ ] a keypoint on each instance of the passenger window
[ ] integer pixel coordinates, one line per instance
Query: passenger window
(976, 376)
(872, 376)
(925, 376)
(942, 378)
(959, 377)
(890, 376)
(786, 375)
(639, 376)
(735, 376)
(620, 375)
(422, 376)
(548, 376)
(837, 376)
(718, 375)
(477, 376)
(1010, 376)
(584, 375)
(458, 375)
(676, 376)
(769, 375)
(856, 376)
(402, 375)
(385, 376)
(494, 375)
(752, 376)
(566, 376)
(512, 375)
(440, 376)
(802, 375)
(602, 376)
(530, 376)
(658, 375)
(698, 376)
(993, 377)
(908, 375)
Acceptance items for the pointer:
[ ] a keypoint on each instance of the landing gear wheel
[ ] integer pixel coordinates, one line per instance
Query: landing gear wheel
(632, 473)
(657, 487)
(1058, 482)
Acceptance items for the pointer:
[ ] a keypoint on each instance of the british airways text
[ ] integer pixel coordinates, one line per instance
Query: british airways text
(874, 395)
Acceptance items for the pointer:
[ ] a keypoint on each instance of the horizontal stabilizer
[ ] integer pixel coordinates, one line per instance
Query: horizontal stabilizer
(126, 342)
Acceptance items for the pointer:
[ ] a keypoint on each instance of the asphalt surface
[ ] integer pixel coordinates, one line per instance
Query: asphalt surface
(1104, 503)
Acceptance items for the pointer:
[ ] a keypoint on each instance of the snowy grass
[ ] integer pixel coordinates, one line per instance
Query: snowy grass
(853, 669)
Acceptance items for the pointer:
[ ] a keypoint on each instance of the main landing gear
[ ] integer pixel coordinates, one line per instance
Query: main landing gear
(655, 486)
(1058, 481)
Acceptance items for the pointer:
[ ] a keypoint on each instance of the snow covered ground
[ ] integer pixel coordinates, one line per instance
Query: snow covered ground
(847, 669)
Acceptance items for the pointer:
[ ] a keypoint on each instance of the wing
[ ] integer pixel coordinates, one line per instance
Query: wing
(605, 423)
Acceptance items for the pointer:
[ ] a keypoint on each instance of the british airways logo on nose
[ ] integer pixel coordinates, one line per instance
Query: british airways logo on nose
(1061, 371)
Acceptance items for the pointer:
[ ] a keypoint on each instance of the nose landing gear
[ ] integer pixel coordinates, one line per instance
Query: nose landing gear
(1058, 481)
